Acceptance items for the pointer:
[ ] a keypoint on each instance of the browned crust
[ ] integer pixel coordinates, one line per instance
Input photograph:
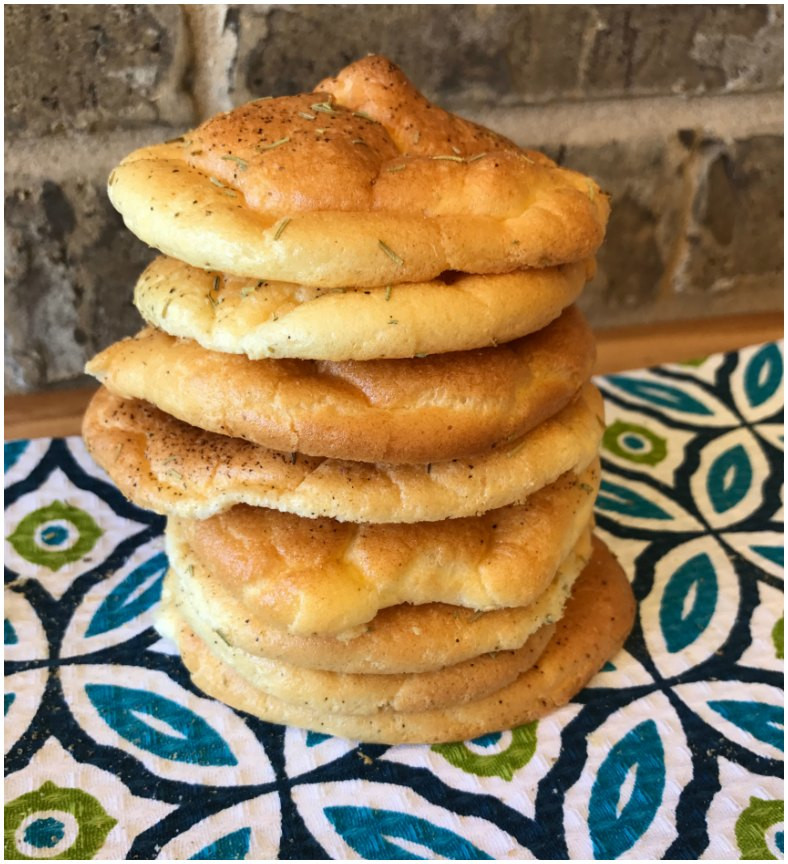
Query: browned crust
(165, 465)
(598, 619)
(431, 409)
(402, 638)
(323, 576)
(352, 693)
(398, 195)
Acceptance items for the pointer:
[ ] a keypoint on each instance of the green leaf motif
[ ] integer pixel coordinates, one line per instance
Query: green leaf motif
(635, 443)
(751, 828)
(504, 764)
(54, 545)
(93, 823)
(777, 638)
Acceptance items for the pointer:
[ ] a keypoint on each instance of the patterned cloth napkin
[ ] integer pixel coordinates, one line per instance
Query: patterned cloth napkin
(674, 750)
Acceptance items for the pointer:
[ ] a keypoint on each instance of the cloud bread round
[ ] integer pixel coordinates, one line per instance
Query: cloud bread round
(168, 466)
(261, 318)
(361, 183)
(322, 691)
(421, 410)
(322, 576)
(598, 618)
(399, 639)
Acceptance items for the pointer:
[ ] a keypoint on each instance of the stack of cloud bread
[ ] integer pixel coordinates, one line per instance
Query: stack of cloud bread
(362, 400)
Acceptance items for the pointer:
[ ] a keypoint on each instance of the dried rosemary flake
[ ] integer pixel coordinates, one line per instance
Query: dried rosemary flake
(416, 137)
(591, 190)
(324, 107)
(588, 489)
(447, 158)
(388, 293)
(419, 355)
(306, 115)
(261, 148)
(169, 459)
(393, 321)
(395, 168)
(177, 140)
(293, 457)
(214, 302)
(282, 225)
(166, 307)
(176, 474)
(364, 116)
(223, 638)
(391, 253)
(456, 150)
(358, 141)
(528, 159)
(263, 98)
(476, 157)
(217, 182)
(216, 282)
(247, 290)
(242, 163)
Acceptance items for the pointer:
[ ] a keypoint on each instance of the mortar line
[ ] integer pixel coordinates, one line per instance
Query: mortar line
(586, 124)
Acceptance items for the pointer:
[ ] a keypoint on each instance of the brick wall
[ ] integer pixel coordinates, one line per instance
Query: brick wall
(676, 110)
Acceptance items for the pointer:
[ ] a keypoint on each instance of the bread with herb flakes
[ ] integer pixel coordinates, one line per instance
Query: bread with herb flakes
(364, 693)
(597, 620)
(165, 465)
(322, 576)
(262, 318)
(399, 639)
(444, 406)
(361, 183)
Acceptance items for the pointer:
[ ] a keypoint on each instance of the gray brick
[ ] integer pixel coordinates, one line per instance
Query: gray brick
(463, 55)
(70, 265)
(735, 240)
(644, 181)
(695, 231)
(654, 49)
(286, 49)
(93, 67)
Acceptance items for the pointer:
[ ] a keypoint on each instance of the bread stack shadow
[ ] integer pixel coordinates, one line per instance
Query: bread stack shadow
(362, 399)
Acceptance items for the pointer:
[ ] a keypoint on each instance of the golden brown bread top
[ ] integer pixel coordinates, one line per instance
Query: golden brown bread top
(399, 639)
(354, 693)
(362, 183)
(598, 619)
(429, 409)
(264, 318)
(168, 466)
(323, 576)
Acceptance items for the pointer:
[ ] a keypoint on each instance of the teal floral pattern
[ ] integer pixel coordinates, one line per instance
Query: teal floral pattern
(674, 750)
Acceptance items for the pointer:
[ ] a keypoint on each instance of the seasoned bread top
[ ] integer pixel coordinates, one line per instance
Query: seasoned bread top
(362, 183)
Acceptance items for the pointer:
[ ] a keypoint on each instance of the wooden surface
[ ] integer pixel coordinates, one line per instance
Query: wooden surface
(57, 413)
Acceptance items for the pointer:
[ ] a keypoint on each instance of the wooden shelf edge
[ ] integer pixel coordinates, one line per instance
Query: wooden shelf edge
(641, 346)
(59, 413)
